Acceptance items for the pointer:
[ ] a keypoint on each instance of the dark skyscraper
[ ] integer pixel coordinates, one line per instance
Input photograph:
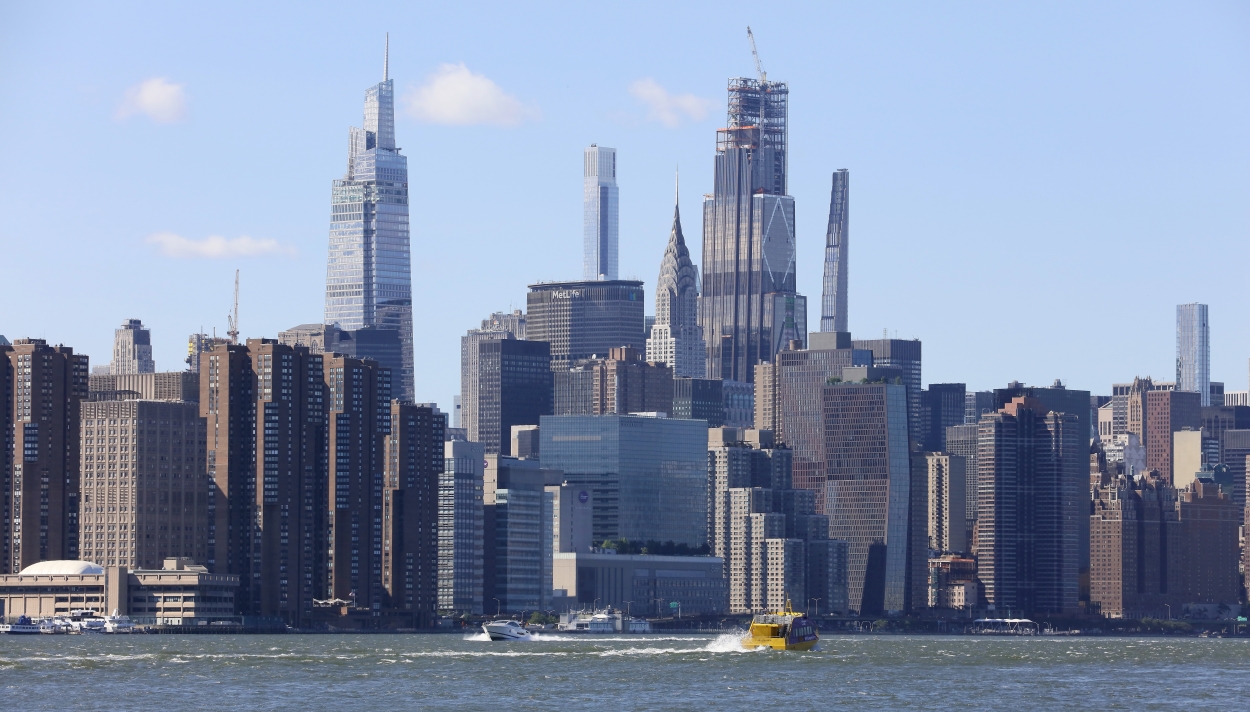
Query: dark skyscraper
(264, 403)
(514, 388)
(358, 410)
(942, 406)
(369, 272)
(1034, 490)
(414, 462)
(903, 354)
(750, 309)
(47, 385)
(833, 301)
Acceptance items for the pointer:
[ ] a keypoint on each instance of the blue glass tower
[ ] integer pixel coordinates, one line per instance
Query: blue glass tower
(369, 271)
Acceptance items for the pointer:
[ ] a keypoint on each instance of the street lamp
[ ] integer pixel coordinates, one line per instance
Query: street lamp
(496, 600)
(595, 606)
(1169, 606)
(627, 608)
(817, 600)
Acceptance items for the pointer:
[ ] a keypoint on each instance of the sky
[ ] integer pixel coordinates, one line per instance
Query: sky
(1034, 187)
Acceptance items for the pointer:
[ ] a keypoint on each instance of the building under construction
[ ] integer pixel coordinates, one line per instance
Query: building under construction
(750, 308)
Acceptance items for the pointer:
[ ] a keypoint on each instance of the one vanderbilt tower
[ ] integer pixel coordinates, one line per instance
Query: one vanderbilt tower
(369, 272)
(749, 309)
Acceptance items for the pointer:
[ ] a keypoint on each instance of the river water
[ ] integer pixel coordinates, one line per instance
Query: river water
(353, 673)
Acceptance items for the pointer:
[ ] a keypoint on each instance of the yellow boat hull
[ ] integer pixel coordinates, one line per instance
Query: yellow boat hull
(778, 644)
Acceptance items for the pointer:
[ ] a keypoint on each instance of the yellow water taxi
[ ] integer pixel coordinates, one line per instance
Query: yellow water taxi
(783, 630)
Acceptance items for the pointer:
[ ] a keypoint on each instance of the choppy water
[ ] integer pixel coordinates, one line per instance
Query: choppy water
(352, 673)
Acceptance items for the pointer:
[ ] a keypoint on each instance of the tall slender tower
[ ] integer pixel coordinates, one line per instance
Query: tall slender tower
(369, 274)
(601, 199)
(676, 338)
(833, 301)
(750, 309)
(1193, 350)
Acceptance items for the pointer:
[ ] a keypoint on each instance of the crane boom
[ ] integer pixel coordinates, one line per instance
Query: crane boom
(759, 67)
(234, 318)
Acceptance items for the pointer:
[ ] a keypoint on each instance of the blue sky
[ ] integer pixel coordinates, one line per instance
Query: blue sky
(1033, 189)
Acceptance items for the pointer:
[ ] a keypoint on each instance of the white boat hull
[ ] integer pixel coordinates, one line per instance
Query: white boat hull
(501, 631)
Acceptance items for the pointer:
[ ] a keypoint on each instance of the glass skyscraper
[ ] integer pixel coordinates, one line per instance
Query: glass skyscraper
(749, 309)
(1193, 350)
(601, 199)
(369, 271)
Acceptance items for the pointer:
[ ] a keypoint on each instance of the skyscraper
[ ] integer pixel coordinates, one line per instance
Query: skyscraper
(414, 463)
(1193, 350)
(833, 300)
(585, 319)
(868, 491)
(1034, 490)
(601, 202)
(132, 349)
(513, 388)
(750, 309)
(158, 507)
(369, 273)
(676, 338)
(265, 409)
(500, 325)
(48, 385)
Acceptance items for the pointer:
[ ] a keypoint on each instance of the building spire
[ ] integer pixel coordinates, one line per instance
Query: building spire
(386, 59)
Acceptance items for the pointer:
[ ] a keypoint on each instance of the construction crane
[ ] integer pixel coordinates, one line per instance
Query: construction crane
(234, 320)
(759, 68)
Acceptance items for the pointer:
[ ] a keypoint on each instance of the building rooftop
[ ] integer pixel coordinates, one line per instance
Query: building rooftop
(62, 568)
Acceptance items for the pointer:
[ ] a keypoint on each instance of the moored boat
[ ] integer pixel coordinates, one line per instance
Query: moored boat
(783, 630)
(506, 630)
(118, 623)
(22, 626)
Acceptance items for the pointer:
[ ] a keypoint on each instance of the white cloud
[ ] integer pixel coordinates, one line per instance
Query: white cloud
(455, 96)
(159, 99)
(217, 247)
(669, 109)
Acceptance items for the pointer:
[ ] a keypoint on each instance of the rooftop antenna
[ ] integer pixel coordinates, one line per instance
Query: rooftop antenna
(234, 320)
(759, 68)
(386, 59)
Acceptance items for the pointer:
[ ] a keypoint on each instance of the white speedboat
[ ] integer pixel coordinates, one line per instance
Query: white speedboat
(506, 630)
(118, 624)
(22, 626)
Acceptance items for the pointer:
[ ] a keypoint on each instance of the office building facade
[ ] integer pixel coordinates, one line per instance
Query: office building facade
(500, 325)
(144, 483)
(45, 389)
(903, 354)
(1167, 412)
(699, 399)
(647, 475)
(514, 387)
(942, 405)
(369, 272)
(584, 320)
(868, 490)
(750, 308)
(946, 500)
(796, 387)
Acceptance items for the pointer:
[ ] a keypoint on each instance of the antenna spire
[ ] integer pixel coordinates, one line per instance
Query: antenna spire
(386, 59)
(677, 190)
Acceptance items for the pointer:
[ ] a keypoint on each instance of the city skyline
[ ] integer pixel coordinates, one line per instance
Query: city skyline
(882, 245)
